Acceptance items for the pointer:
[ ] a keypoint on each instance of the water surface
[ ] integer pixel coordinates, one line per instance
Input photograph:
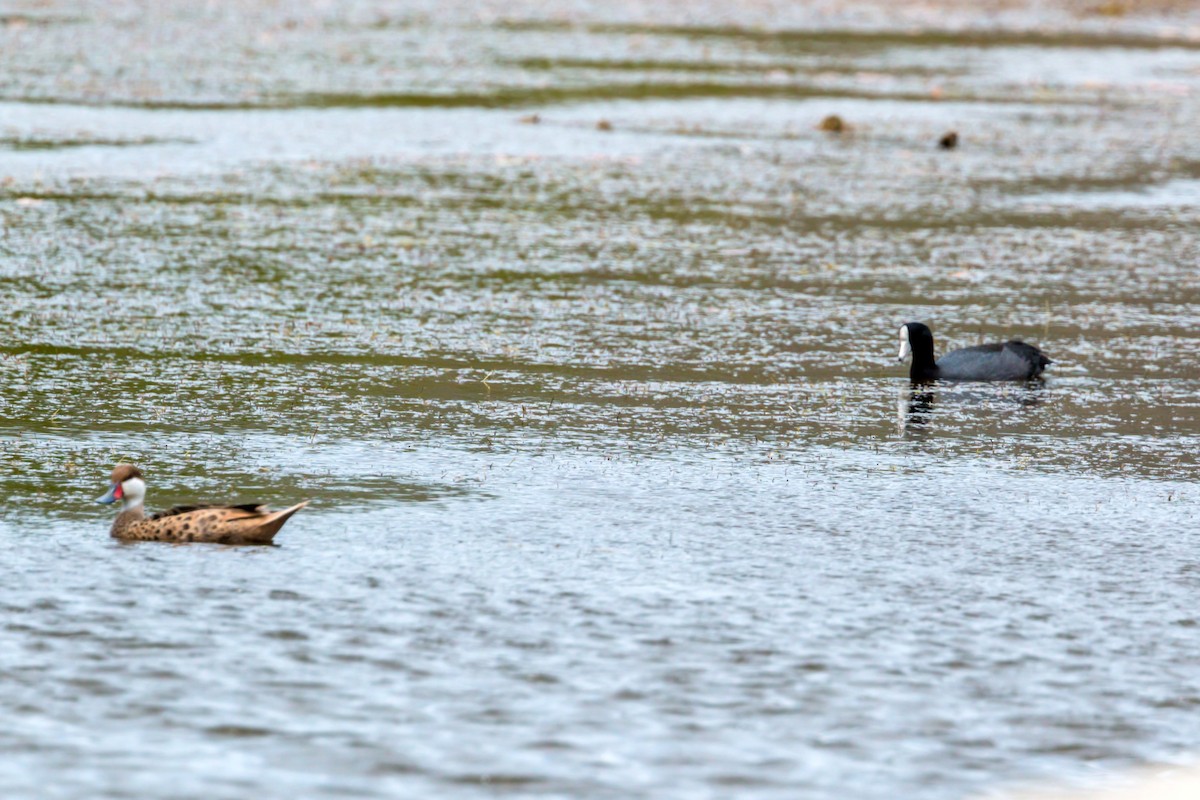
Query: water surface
(617, 489)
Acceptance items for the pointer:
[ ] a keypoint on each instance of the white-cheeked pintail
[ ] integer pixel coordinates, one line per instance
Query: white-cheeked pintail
(244, 524)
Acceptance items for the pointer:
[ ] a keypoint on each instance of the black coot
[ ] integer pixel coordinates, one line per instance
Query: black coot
(1010, 361)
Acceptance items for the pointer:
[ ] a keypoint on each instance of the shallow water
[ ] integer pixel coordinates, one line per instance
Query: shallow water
(617, 488)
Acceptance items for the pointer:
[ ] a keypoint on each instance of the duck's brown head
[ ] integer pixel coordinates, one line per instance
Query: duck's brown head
(127, 485)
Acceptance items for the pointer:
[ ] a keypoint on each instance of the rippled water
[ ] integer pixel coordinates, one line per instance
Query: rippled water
(617, 488)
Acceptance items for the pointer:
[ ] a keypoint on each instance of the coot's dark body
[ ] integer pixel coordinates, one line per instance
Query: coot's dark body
(1010, 361)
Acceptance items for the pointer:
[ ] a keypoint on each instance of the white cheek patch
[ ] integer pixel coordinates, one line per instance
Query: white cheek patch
(135, 492)
(905, 347)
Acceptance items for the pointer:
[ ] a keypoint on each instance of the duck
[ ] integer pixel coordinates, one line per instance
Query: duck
(234, 524)
(1004, 361)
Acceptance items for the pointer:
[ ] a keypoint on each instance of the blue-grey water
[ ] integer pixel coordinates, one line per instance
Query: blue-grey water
(580, 335)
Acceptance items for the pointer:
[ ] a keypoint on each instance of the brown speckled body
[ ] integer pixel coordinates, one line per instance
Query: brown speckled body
(248, 524)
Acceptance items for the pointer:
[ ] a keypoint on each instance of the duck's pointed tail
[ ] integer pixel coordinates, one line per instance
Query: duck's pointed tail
(270, 524)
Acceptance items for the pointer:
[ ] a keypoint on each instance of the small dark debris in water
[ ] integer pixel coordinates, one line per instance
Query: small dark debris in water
(949, 141)
(604, 125)
(834, 124)
(530, 119)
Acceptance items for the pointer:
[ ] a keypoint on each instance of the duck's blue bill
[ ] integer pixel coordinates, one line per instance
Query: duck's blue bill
(111, 496)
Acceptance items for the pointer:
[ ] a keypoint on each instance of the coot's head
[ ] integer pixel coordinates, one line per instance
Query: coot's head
(917, 339)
